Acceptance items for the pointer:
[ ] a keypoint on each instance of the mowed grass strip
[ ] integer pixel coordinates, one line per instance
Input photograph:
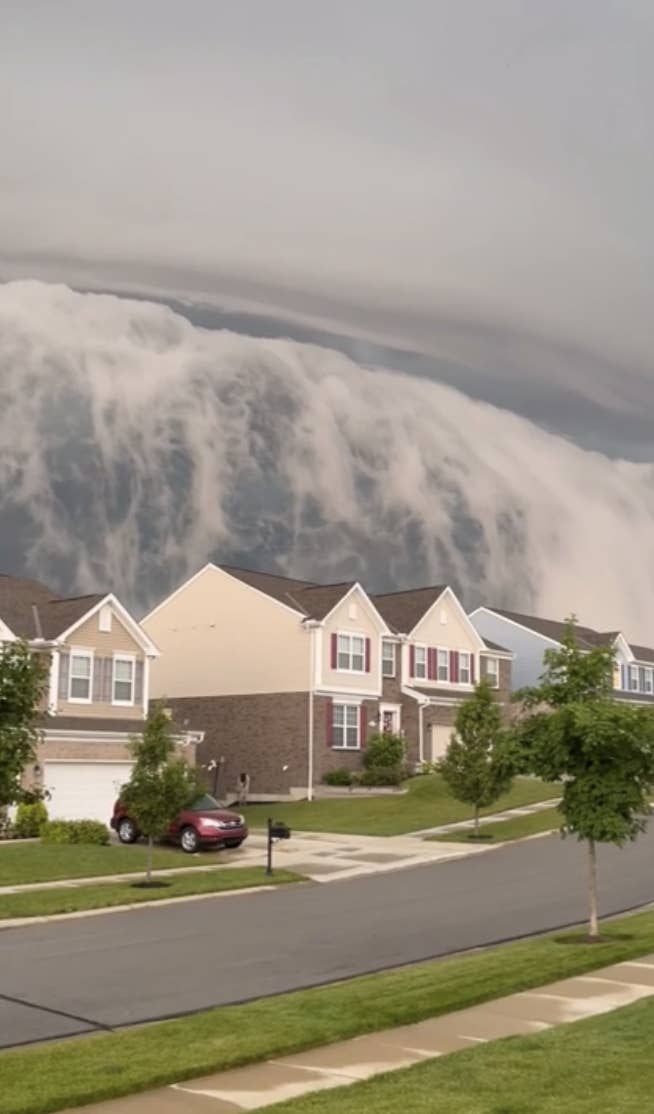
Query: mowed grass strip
(599, 1065)
(547, 820)
(22, 863)
(427, 803)
(74, 899)
(82, 1070)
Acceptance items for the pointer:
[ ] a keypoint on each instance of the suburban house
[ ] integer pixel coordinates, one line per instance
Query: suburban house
(530, 636)
(287, 679)
(97, 695)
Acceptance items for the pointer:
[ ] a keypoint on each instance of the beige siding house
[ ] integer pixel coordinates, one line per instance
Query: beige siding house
(99, 661)
(287, 679)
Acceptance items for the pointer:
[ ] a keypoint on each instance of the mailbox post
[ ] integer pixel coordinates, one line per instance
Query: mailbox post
(276, 830)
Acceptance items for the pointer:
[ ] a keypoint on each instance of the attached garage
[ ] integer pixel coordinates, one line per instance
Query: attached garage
(84, 790)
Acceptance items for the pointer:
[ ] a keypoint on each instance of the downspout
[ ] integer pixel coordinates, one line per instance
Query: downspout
(311, 626)
(421, 733)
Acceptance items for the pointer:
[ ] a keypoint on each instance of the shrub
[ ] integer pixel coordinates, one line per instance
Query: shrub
(75, 831)
(384, 750)
(340, 776)
(382, 775)
(30, 818)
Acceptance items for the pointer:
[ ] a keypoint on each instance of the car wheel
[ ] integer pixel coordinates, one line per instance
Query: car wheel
(233, 842)
(190, 840)
(127, 831)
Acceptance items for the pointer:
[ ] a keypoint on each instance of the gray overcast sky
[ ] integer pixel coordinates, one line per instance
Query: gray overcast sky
(466, 178)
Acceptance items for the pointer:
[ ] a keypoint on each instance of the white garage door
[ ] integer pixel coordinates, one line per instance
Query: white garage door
(84, 790)
(440, 741)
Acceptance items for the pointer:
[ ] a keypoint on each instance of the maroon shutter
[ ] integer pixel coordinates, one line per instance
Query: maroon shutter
(367, 655)
(363, 730)
(431, 663)
(329, 735)
(472, 669)
(412, 661)
(454, 666)
(334, 651)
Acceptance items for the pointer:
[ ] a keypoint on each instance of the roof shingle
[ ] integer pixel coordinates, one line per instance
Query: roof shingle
(32, 610)
(402, 611)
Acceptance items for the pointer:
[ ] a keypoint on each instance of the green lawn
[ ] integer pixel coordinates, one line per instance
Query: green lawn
(69, 1073)
(517, 828)
(21, 863)
(427, 804)
(604, 1064)
(72, 899)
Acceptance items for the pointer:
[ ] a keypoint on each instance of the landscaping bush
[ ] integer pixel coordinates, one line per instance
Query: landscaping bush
(30, 818)
(75, 831)
(382, 775)
(341, 776)
(384, 750)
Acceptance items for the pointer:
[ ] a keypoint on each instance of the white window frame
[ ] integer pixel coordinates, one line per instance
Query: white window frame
(493, 675)
(634, 677)
(387, 645)
(350, 652)
(345, 727)
(131, 659)
(465, 654)
(649, 680)
(88, 656)
(440, 654)
(424, 664)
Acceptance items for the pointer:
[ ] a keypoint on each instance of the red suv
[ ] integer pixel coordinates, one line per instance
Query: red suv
(203, 823)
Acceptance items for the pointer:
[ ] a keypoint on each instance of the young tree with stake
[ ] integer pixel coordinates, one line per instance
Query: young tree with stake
(477, 766)
(161, 784)
(23, 679)
(573, 730)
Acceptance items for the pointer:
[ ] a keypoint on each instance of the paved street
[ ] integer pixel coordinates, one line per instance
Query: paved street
(120, 968)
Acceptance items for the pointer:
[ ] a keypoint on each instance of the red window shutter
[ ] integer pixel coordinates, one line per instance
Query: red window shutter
(363, 728)
(431, 663)
(367, 651)
(412, 661)
(472, 669)
(334, 651)
(329, 735)
(454, 666)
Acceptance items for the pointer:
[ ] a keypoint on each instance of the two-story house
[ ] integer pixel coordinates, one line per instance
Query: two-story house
(529, 636)
(288, 679)
(97, 695)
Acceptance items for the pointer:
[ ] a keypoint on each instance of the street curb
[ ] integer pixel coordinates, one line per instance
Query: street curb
(21, 922)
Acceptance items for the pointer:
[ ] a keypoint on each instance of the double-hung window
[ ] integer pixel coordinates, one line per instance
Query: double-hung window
(81, 677)
(420, 662)
(649, 677)
(464, 667)
(345, 726)
(388, 659)
(633, 678)
(123, 681)
(443, 665)
(493, 672)
(351, 653)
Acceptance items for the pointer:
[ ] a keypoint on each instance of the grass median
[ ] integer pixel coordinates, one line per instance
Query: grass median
(602, 1064)
(502, 831)
(105, 895)
(427, 803)
(82, 1070)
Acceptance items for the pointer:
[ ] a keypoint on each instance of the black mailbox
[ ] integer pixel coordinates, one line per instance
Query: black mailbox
(277, 829)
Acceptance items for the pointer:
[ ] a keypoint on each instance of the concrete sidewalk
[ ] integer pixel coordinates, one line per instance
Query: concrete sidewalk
(493, 818)
(351, 1061)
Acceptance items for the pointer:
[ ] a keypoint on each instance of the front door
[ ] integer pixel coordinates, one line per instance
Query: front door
(389, 719)
(440, 741)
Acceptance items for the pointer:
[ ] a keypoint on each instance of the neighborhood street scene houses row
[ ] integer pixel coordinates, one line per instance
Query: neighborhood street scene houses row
(99, 660)
(288, 679)
(529, 637)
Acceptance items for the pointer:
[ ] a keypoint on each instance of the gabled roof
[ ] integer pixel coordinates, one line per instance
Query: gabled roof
(402, 611)
(641, 653)
(279, 587)
(319, 601)
(32, 610)
(495, 646)
(587, 638)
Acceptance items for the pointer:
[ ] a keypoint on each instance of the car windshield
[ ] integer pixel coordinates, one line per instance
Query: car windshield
(204, 803)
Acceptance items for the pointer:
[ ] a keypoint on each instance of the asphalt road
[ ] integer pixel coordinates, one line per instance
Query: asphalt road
(108, 971)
